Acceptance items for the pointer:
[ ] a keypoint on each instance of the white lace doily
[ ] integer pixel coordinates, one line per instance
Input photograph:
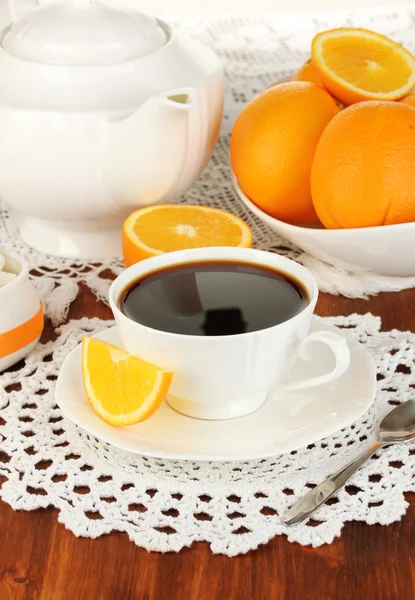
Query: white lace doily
(166, 505)
(256, 53)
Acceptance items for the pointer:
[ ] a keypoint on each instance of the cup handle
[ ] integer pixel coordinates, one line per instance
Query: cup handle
(340, 348)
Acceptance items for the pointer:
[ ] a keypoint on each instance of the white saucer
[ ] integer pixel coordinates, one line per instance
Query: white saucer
(285, 422)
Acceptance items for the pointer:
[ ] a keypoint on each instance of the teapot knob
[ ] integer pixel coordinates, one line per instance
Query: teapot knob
(21, 8)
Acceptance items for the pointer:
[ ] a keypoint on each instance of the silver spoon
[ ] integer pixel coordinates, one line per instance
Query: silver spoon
(398, 426)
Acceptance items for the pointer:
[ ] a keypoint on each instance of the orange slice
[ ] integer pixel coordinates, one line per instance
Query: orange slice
(357, 65)
(121, 388)
(165, 228)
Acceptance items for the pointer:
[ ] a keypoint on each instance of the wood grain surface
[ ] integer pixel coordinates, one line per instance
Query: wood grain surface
(40, 559)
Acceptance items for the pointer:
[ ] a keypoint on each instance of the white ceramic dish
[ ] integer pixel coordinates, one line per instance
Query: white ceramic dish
(21, 314)
(284, 423)
(387, 250)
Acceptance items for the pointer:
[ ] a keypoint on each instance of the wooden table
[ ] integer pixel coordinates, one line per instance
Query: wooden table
(40, 559)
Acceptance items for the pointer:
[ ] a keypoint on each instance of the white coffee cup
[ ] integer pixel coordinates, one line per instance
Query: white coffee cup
(223, 377)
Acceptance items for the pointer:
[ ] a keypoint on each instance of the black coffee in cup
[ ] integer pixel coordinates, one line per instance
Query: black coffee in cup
(213, 298)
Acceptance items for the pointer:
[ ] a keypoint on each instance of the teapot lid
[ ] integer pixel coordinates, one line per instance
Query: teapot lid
(83, 33)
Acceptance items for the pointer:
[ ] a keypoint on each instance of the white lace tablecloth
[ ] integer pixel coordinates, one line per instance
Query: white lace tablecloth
(166, 505)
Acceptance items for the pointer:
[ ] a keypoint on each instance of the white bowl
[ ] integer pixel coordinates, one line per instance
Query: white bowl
(387, 250)
(21, 314)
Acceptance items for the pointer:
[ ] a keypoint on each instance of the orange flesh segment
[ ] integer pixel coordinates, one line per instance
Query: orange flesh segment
(356, 60)
(121, 388)
(358, 64)
(167, 231)
(165, 228)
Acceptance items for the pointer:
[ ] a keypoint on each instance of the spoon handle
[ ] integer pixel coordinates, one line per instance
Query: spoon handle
(305, 507)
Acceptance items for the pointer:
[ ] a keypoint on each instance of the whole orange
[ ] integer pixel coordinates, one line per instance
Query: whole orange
(272, 148)
(308, 72)
(364, 165)
(409, 99)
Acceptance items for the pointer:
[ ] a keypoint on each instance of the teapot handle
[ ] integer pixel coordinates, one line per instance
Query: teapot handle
(20, 8)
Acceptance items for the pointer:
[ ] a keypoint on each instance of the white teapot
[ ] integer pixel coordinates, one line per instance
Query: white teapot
(101, 112)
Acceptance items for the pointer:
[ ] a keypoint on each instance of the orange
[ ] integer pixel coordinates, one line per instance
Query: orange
(272, 147)
(409, 99)
(357, 65)
(165, 228)
(121, 388)
(308, 72)
(363, 169)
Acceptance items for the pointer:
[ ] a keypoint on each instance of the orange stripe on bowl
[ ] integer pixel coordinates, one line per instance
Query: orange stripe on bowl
(19, 337)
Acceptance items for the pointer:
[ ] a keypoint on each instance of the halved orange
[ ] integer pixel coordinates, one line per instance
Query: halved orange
(164, 228)
(121, 388)
(358, 64)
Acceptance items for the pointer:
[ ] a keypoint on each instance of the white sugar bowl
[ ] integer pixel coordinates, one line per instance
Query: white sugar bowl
(21, 311)
(104, 111)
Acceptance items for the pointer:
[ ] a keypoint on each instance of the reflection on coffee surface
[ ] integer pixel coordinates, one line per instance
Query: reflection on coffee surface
(213, 298)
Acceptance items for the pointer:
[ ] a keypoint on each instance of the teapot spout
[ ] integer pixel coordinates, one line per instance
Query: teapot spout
(184, 97)
(150, 154)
